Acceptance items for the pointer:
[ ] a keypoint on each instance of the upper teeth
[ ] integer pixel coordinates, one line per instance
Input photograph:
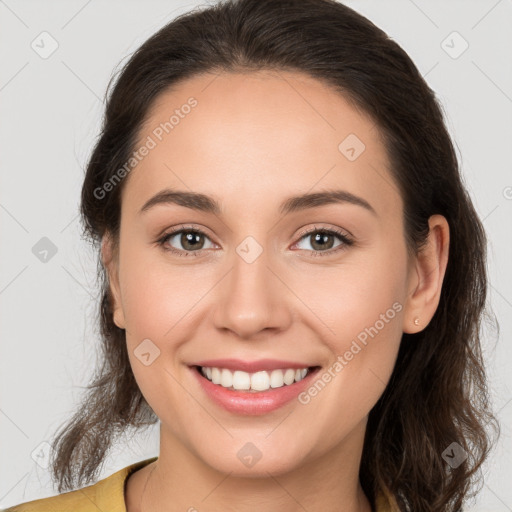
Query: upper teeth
(259, 381)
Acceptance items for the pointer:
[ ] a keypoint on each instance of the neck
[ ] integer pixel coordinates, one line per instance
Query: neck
(182, 481)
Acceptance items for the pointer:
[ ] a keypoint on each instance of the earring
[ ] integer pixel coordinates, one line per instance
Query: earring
(416, 321)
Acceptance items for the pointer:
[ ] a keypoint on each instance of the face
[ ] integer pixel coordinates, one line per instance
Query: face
(325, 283)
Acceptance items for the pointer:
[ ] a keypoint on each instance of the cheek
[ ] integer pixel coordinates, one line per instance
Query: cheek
(156, 293)
(347, 389)
(363, 310)
(360, 299)
(157, 308)
(162, 308)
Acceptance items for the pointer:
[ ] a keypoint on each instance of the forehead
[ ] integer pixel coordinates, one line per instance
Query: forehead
(256, 135)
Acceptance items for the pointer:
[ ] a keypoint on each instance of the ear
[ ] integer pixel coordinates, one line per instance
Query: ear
(110, 258)
(427, 274)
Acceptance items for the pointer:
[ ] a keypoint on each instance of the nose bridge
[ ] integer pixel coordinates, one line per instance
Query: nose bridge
(252, 298)
(250, 266)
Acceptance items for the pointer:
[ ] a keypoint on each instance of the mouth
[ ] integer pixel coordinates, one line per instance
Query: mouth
(251, 402)
(245, 387)
(254, 382)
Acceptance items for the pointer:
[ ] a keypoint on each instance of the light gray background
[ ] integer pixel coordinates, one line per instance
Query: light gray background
(50, 114)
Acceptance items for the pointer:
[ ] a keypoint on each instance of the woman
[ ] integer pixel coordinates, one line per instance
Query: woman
(293, 275)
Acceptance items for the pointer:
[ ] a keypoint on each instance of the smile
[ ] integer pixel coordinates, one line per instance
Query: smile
(253, 382)
(264, 391)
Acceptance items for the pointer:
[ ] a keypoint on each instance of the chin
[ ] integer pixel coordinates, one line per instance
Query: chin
(249, 461)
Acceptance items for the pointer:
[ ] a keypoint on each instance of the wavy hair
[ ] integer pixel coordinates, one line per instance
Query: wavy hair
(437, 393)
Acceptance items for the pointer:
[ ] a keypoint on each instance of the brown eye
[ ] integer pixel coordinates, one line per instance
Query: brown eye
(323, 240)
(185, 240)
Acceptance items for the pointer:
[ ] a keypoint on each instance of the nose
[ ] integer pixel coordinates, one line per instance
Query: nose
(254, 298)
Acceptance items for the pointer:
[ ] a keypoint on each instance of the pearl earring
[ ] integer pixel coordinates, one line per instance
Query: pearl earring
(416, 321)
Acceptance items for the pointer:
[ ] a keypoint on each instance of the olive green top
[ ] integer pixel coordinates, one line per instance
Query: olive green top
(107, 495)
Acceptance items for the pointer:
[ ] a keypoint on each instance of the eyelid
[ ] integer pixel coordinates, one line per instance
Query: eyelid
(343, 233)
(184, 227)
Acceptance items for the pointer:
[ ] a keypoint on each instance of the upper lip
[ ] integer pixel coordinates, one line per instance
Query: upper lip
(251, 366)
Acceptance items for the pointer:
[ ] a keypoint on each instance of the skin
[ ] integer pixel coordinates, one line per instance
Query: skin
(253, 140)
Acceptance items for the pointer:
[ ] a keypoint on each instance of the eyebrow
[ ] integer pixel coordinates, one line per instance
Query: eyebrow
(205, 203)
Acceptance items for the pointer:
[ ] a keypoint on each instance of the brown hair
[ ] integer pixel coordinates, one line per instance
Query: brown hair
(437, 393)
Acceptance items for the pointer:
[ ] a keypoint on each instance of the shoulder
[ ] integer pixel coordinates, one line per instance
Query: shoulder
(77, 500)
(106, 494)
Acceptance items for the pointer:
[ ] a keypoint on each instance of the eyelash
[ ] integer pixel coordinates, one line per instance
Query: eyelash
(347, 241)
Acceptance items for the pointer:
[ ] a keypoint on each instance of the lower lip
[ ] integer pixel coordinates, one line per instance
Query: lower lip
(253, 404)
